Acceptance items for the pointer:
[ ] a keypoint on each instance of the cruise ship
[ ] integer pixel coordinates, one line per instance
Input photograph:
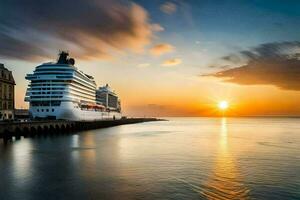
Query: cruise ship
(61, 91)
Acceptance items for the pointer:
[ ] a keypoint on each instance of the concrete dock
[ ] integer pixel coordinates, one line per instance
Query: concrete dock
(8, 130)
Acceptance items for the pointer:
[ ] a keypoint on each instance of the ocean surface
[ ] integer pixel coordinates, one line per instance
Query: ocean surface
(183, 158)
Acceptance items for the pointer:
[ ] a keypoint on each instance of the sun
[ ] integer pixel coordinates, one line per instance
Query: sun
(223, 105)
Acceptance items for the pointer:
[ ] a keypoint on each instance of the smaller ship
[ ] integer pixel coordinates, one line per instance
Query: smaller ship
(61, 91)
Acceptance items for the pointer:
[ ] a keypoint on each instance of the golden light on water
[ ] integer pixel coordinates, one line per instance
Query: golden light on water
(226, 180)
(223, 105)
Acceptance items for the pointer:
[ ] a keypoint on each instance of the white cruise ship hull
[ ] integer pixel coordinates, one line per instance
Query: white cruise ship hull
(67, 111)
(62, 91)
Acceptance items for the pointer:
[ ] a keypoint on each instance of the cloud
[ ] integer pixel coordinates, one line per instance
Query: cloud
(157, 28)
(88, 28)
(171, 62)
(168, 8)
(232, 58)
(275, 64)
(143, 65)
(16, 48)
(160, 49)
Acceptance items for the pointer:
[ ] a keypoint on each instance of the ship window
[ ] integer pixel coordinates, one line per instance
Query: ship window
(38, 110)
(55, 103)
(47, 110)
(42, 110)
(52, 110)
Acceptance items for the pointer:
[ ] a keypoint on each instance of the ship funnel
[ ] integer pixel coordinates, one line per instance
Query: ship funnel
(63, 58)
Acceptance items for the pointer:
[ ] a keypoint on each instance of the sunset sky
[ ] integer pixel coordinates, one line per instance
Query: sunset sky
(165, 58)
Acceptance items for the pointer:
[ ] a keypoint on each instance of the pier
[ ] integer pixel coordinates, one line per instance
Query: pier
(8, 130)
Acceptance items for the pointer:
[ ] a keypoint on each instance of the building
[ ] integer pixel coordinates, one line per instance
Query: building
(21, 114)
(7, 94)
(108, 98)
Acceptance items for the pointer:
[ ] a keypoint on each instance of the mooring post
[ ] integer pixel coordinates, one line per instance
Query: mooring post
(7, 136)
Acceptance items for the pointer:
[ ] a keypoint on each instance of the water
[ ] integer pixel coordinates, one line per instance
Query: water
(184, 158)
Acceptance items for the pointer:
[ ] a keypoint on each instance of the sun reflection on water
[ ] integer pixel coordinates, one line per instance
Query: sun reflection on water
(226, 180)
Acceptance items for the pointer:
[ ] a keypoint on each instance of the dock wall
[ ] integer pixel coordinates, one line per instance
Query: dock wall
(9, 130)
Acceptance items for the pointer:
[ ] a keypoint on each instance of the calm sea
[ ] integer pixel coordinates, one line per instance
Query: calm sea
(184, 158)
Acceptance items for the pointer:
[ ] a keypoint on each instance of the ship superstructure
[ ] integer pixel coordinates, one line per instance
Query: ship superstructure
(106, 97)
(61, 91)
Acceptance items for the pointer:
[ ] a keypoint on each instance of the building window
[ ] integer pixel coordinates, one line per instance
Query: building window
(10, 106)
(5, 91)
(10, 92)
(0, 90)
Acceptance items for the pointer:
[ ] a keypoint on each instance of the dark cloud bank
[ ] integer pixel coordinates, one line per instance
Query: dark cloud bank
(268, 64)
(31, 29)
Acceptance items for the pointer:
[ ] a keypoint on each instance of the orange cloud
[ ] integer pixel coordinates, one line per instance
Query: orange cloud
(104, 27)
(172, 62)
(268, 64)
(160, 49)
